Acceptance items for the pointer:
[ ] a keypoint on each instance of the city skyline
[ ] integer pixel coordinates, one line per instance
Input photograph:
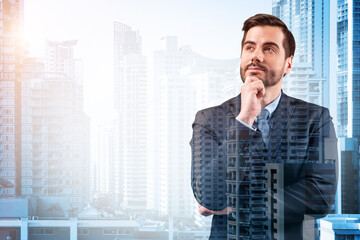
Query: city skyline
(137, 82)
(212, 28)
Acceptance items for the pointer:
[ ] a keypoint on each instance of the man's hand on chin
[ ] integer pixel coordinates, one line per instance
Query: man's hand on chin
(252, 93)
(206, 212)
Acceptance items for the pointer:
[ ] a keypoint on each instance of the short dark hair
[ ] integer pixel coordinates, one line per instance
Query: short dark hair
(270, 20)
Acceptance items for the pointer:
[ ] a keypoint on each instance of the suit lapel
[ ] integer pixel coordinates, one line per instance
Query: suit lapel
(280, 123)
(234, 106)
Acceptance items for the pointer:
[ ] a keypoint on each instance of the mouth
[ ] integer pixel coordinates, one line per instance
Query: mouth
(255, 69)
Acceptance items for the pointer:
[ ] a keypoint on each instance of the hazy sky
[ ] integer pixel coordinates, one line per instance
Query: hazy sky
(211, 27)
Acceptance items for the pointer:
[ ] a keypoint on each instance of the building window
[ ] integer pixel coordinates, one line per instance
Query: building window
(83, 231)
(110, 231)
(124, 231)
(42, 231)
(344, 237)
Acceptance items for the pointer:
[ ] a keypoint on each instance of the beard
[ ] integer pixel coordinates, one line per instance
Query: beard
(271, 77)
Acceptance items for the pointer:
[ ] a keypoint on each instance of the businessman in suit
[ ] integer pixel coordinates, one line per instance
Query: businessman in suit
(264, 163)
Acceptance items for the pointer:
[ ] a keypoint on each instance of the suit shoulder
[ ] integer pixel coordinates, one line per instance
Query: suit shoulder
(214, 115)
(219, 109)
(301, 103)
(311, 110)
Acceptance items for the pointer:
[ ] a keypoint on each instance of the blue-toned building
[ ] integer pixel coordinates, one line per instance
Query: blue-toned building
(271, 191)
(340, 227)
(309, 22)
(348, 95)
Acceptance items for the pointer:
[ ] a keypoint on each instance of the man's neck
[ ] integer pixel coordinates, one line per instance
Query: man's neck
(271, 93)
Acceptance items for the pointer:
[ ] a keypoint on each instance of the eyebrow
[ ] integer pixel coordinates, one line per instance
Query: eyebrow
(265, 43)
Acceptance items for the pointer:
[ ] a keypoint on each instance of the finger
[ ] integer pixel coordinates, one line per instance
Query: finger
(225, 211)
(205, 212)
(261, 93)
(259, 88)
(250, 79)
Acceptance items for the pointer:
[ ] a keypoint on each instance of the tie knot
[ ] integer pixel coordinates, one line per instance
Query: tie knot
(264, 114)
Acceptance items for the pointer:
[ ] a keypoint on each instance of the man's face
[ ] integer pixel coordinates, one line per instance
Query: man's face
(263, 55)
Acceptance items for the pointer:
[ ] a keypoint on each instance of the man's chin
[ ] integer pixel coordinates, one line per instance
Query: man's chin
(256, 74)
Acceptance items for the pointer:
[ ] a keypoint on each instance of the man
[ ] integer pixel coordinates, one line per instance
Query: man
(262, 162)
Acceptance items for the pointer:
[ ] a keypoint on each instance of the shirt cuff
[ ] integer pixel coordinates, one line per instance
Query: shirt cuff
(246, 125)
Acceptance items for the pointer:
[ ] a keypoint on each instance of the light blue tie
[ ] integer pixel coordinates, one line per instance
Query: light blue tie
(263, 125)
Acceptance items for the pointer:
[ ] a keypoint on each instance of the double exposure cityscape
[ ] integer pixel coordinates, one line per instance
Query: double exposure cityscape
(68, 170)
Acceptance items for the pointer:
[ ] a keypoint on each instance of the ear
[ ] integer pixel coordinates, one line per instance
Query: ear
(288, 64)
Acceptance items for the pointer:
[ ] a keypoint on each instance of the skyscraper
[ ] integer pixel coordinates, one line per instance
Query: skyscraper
(309, 21)
(348, 95)
(106, 167)
(183, 82)
(55, 131)
(11, 56)
(43, 131)
(131, 104)
(313, 76)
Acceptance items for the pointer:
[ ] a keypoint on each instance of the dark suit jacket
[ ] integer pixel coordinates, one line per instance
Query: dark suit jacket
(230, 167)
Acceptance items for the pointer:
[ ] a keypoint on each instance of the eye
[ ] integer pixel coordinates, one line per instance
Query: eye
(269, 49)
(249, 47)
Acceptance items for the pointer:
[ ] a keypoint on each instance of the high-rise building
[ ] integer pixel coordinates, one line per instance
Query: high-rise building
(303, 83)
(309, 22)
(106, 167)
(43, 131)
(131, 104)
(166, 63)
(183, 82)
(313, 76)
(348, 68)
(348, 96)
(11, 56)
(350, 175)
(55, 131)
(102, 167)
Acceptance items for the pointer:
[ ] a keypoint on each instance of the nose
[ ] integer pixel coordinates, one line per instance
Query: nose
(257, 56)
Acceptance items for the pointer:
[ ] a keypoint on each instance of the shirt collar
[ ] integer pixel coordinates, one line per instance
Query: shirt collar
(273, 105)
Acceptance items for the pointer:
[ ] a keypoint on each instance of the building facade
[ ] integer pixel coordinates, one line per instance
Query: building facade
(183, 83)
(130, 86)
(55, 130)
(340, 227)
(106, 170)
(348, 107)
(11, 57)
(44, 134)
(309, 22)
